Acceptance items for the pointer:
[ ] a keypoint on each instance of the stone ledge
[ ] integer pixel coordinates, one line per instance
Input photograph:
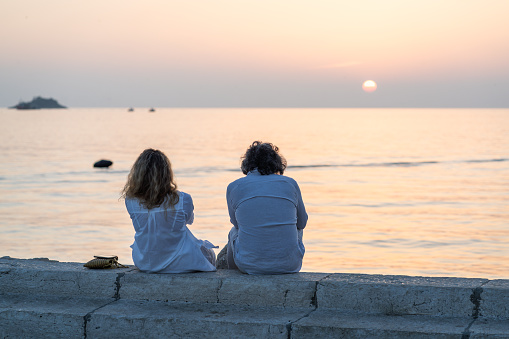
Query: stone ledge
(39, 277)
(331, 324)
(399, 295)
(28, 316)
(50, 317)
(36, 295)
(389, 295)
(54, 317)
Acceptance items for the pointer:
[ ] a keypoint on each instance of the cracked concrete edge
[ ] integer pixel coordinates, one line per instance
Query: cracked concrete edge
(110, 318)
(475, 298)
(190, 320)
(224, 287)
(405, 295)
(227, 277)
(44, 277)
(53, 278)
(32, 316)
(292, 290)
(392, 295)
(314, 303)
(325, 323)
(494, 299)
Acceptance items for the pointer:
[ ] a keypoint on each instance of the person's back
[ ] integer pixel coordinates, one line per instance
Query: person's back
(265, 209)
(160, 214)
(163, 243)
(268, 215)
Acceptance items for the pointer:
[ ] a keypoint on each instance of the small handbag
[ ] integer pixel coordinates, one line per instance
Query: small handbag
(104, 262)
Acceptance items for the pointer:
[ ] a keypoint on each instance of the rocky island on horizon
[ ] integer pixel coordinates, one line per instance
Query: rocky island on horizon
(38, 103)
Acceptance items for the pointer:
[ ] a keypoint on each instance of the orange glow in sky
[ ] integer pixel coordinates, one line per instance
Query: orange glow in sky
(234, 53)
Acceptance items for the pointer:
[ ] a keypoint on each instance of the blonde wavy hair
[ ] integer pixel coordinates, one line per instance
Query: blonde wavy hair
(151, 180)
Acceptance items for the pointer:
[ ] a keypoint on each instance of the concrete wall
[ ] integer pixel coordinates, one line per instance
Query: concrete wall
(42, 298)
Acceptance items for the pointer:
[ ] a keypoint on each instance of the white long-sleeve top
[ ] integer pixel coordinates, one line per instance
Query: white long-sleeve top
(163, 243)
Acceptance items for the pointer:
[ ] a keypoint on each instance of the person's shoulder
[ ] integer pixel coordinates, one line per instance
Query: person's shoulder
(185, 196)
(237, 181)
(289, 180)
(133, 204)
(235, 184)
(285, 177)
(131, 200)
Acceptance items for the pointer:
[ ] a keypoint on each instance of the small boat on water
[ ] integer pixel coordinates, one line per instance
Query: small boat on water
(151, 109)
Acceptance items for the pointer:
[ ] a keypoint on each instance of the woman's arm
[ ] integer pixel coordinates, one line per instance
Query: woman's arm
(188, 208)
(229, 202)
(302, 216)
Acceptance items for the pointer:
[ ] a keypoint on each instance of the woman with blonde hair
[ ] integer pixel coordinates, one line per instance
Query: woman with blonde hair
(159, 212)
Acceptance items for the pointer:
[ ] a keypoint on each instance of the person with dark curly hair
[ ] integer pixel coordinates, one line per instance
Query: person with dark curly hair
(267, 213)
(159, 212)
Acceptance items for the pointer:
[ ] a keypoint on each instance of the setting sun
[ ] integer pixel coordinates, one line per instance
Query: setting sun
(369, 86)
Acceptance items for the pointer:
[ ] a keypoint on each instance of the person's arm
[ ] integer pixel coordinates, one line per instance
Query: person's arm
(188, 208)
(302, 216)
(231, 210)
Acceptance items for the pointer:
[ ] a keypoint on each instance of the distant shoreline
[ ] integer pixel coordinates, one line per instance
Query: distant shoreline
(38, 103)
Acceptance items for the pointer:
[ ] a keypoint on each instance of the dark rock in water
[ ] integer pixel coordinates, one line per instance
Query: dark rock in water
(38, 103)
(103, 163)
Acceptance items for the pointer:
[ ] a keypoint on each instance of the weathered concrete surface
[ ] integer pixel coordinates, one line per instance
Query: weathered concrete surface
(160, 320)
(495, 299)
(489, 328)
(44, 277)
(225, 287)
(399, 295)
(334, 324)
(41, 298)
(290, 290)
(32, 316)
(49, 278)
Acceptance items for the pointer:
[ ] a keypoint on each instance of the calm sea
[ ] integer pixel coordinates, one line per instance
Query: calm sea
(388, 191)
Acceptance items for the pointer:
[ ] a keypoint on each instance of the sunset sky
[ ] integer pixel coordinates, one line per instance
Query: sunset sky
(234, 53)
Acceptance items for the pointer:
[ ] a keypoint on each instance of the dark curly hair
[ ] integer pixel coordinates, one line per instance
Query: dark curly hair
(265, 157)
